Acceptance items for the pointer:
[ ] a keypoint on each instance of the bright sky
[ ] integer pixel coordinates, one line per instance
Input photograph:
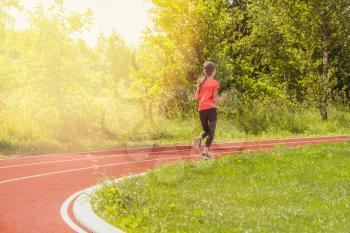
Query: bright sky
(128, 17)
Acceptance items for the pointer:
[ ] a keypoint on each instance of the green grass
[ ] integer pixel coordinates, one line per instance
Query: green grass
(262, 122)
(299, 190)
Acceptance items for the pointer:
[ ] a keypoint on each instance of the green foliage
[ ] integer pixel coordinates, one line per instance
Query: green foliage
(299, 190)
(262, 48)
(59, 94)
(54, 89)
(269, 114)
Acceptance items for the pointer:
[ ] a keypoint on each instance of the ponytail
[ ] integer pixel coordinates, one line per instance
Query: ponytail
(208, 69)
(202, 81)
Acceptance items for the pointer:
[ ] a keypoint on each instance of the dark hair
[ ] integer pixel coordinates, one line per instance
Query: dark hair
(208, 69)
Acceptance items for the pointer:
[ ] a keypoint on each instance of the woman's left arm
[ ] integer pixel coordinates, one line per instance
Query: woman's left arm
(219, 99)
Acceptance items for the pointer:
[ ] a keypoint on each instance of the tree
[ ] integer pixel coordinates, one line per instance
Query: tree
(316, 34)
(7, 55)
(117, 56)
(171, 54)
(5, 19)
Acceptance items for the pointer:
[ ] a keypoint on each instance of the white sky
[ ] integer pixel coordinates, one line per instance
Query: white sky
(128, 17)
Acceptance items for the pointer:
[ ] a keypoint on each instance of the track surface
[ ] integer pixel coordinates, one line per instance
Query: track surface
(32, 189)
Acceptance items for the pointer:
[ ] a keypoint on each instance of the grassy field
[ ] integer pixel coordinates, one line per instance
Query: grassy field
(298, 190)
(270, 120)
(162, 131)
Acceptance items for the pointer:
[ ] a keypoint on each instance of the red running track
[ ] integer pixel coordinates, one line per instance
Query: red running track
(32, 189)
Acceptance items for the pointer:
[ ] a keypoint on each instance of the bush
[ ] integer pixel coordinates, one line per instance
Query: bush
(257, 116)
(340, 114)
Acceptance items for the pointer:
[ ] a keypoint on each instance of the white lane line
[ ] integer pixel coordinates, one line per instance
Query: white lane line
(65, 215)
(90, 152)
(92, 167)
(88, 157)
(116, 164)
(344, 138)
(122, 155)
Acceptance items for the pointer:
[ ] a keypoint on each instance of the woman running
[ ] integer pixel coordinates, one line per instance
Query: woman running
(207, 96)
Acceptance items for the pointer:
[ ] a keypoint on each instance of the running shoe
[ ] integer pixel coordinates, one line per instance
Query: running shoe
(206, 156)
(197, 145)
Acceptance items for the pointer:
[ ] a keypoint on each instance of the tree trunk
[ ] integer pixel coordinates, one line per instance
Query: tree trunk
(324, 86)
(286, 85)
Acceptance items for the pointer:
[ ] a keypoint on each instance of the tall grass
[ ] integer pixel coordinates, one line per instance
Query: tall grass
(111, 124)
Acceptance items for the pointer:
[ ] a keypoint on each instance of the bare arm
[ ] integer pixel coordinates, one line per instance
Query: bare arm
(219, 99)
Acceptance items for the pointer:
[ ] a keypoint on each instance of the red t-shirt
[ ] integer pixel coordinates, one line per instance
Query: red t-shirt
(206, 97)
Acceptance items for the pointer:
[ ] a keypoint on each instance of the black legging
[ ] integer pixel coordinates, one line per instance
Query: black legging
(208, 120)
